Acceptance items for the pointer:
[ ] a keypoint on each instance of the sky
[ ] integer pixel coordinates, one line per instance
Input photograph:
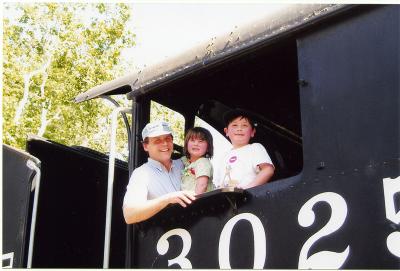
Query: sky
(166, 29)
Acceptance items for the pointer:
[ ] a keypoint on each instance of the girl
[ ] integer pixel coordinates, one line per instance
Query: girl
(198, 149)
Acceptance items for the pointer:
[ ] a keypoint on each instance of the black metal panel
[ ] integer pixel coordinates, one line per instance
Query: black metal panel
(17, 183)
(351, 103)
(211, 210)
(276, 207)
(71, 210)
(350, 117)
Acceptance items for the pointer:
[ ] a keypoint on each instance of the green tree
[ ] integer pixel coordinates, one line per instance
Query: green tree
(51, 53)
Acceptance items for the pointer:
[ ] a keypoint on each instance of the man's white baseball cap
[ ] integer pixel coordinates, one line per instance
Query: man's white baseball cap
(156, 128)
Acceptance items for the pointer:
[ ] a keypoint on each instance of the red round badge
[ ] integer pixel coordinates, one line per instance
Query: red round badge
(232, 159)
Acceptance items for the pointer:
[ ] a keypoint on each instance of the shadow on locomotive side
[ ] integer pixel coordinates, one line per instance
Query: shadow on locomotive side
(323, 82)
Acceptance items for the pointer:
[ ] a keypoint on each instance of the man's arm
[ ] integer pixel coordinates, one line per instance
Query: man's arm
(138, 208)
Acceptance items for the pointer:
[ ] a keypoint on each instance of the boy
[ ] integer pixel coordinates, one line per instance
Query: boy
(245, 165)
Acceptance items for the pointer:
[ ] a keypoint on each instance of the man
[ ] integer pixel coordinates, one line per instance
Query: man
(156, 183)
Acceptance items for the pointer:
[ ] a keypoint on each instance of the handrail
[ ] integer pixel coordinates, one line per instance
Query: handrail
(110, 182)
(35, 185)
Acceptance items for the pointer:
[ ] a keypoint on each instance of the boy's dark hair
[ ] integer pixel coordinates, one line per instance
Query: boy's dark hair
(202, 133)
(231, 115)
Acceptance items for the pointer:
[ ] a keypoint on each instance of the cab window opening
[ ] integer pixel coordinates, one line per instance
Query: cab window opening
(261, 81)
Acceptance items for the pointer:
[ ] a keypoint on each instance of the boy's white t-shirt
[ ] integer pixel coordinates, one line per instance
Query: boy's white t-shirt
(241, 164)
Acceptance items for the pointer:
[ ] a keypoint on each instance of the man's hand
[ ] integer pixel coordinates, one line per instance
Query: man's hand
(183, 198)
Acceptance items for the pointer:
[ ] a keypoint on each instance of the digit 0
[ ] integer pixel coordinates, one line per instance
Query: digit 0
(259, 241)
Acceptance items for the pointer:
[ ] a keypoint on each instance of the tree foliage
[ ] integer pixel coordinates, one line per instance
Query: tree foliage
(51, 53)
(176, 120)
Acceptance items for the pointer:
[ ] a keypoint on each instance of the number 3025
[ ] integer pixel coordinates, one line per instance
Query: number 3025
(306, 217)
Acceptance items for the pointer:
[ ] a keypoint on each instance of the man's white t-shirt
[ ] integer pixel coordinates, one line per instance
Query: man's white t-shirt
(241, 164)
